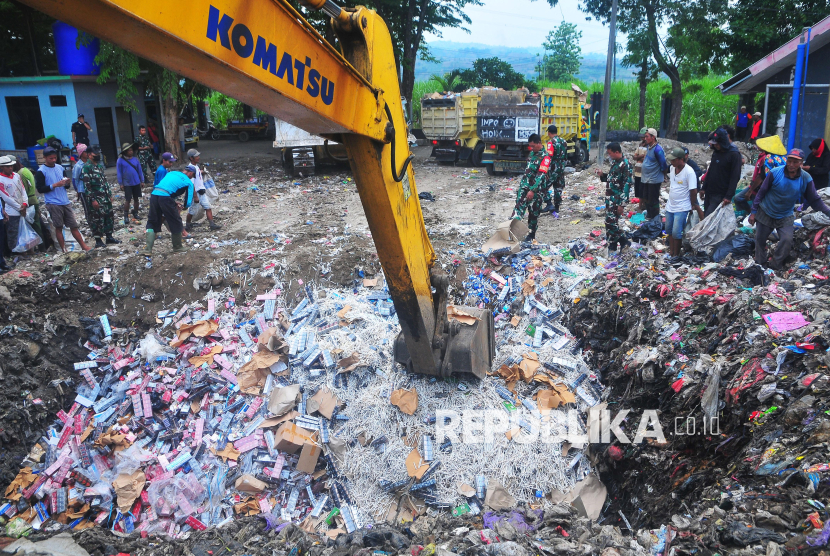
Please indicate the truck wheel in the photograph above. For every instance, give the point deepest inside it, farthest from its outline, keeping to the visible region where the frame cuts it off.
(214, 135)
(288, 161)
(581, 155)
(243, 136)
(478, 151)
(490, 170)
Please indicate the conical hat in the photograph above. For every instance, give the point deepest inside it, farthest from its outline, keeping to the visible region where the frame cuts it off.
(772, 145)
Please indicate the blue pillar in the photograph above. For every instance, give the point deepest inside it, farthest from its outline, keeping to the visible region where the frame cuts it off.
(798, 81)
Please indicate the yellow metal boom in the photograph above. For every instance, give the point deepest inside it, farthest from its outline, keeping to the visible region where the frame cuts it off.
(264, 53)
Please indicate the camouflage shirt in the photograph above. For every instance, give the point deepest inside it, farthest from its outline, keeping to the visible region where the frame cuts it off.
(619, 180)
(558, 150)
(538, 164)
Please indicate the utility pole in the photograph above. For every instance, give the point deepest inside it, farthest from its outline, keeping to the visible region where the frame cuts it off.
(606, 93)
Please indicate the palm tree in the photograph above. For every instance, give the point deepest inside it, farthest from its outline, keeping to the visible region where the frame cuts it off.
(450, 81)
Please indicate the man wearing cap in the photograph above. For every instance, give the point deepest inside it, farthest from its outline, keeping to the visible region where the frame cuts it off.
(772, 209)
(145, 153)
(724, 172)
(164, 206)
(101, 217)
(743, 119)
(167, 160)
(50, 181)
(80, 131)
(639, 156)
(14, 198)
(756, 127)
(28, 181)
(557, 149)
(200, 187)
(655, 169)
(78, 177)
(818, 163)
(682, 198)
(130, 178)
(698, 172)
(618, 180)
(773, 155)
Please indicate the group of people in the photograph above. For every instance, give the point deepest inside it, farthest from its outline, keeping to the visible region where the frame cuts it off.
(542, 184)
(781, 181)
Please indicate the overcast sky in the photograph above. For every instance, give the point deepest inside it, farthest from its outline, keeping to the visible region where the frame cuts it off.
(525, 23)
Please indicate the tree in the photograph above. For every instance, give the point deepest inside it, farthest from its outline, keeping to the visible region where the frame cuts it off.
(639, 56)
(566, 55)
(686, 38)
(25, 41)
(450, 81)
(492, 72)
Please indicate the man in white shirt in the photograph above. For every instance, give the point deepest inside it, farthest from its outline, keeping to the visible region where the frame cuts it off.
(682, 198)
(14, 197)
(201, 189)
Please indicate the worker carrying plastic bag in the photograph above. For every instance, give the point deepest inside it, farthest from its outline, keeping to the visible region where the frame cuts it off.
(713, 229)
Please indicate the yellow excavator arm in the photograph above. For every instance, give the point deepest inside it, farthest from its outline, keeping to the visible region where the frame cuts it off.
(265, 54)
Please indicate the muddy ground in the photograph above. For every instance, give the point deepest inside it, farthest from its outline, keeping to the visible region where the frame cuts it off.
(277, 231)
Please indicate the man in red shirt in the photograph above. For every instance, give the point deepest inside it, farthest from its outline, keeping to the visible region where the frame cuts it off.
(756, 127)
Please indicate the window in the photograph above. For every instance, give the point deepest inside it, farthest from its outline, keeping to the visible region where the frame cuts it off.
(57, 100)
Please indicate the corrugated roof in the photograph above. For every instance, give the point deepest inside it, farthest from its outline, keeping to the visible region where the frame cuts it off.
(756, 76)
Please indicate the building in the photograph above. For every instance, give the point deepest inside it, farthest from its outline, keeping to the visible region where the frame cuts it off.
(37, 107)
(775, 72)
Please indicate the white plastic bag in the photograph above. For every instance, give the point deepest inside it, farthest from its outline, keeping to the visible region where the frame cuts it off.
(210, 187)
(30, 215)
(197, 211)
(713, 229)
(26, 237)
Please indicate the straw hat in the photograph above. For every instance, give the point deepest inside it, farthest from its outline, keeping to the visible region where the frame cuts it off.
(772, 145)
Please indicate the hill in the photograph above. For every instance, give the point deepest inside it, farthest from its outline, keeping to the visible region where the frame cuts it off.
(456, 55)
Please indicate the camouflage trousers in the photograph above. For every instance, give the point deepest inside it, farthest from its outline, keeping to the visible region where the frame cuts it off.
(532, 207)
(148, 165)
(613, 232)
(102, 219)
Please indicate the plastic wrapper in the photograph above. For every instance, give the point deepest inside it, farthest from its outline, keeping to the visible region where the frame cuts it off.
(26, 237)
(713, 229)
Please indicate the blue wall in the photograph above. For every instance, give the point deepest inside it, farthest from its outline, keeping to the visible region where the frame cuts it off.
(57, 120)
(90, 96)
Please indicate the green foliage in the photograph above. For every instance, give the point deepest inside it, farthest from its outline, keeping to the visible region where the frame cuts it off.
(223, 109)
(421, 89)
(123, 66)
(18, 25)
(450, 81)
(563, 55)
(492, 72)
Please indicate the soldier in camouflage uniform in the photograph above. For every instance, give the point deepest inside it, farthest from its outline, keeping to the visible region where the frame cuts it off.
(557, 149)
(99, 197)
(533, 184)
(619, 179)
(145, 154)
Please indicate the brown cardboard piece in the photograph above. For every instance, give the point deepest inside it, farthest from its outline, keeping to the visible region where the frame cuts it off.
(590, 497)
(508, 235)
(250, 484)
(370, 282)
(271, 340)
(529, 365)
(415, 465)
(454, 313)
(199, 360)
(348, 364)
(308, 457)
(497, 496)
(324, 402)
(247, 507)
(291, 438)
(24, 478)
(228, 452)
(405, 400)
(466, 490)
(268, 423)
(551, 399)
(253, 374)
(200, 329)
(128, 488)
(283, 400)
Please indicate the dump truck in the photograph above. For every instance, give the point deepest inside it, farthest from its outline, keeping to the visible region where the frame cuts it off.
(506, 119)
(449, 124)
(300, 151)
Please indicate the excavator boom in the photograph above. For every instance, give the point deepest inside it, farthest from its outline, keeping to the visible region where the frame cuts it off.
(265, 54)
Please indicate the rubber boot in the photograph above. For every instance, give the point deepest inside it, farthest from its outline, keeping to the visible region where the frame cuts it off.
(111, 240)
(531, 236)
(151, 239)
(99, 243)
(177, 243)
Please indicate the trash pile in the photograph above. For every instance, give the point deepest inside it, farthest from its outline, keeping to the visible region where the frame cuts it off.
(734, 357)
(293, 410)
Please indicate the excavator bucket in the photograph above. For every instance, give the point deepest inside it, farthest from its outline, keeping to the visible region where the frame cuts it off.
(467, 346)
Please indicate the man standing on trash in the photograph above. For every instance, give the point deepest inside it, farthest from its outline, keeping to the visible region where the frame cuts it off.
(163, 204)
(619, 180)
(773, 207)
(557, 149)
(130, 177)
(723, 174)
(14, 198)
(101, 217)
(773, 155)
(655, 168)
(145, 154)
(532, 185)
(50, 181)
(28, 181)
(682, 199)
(78, 178)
